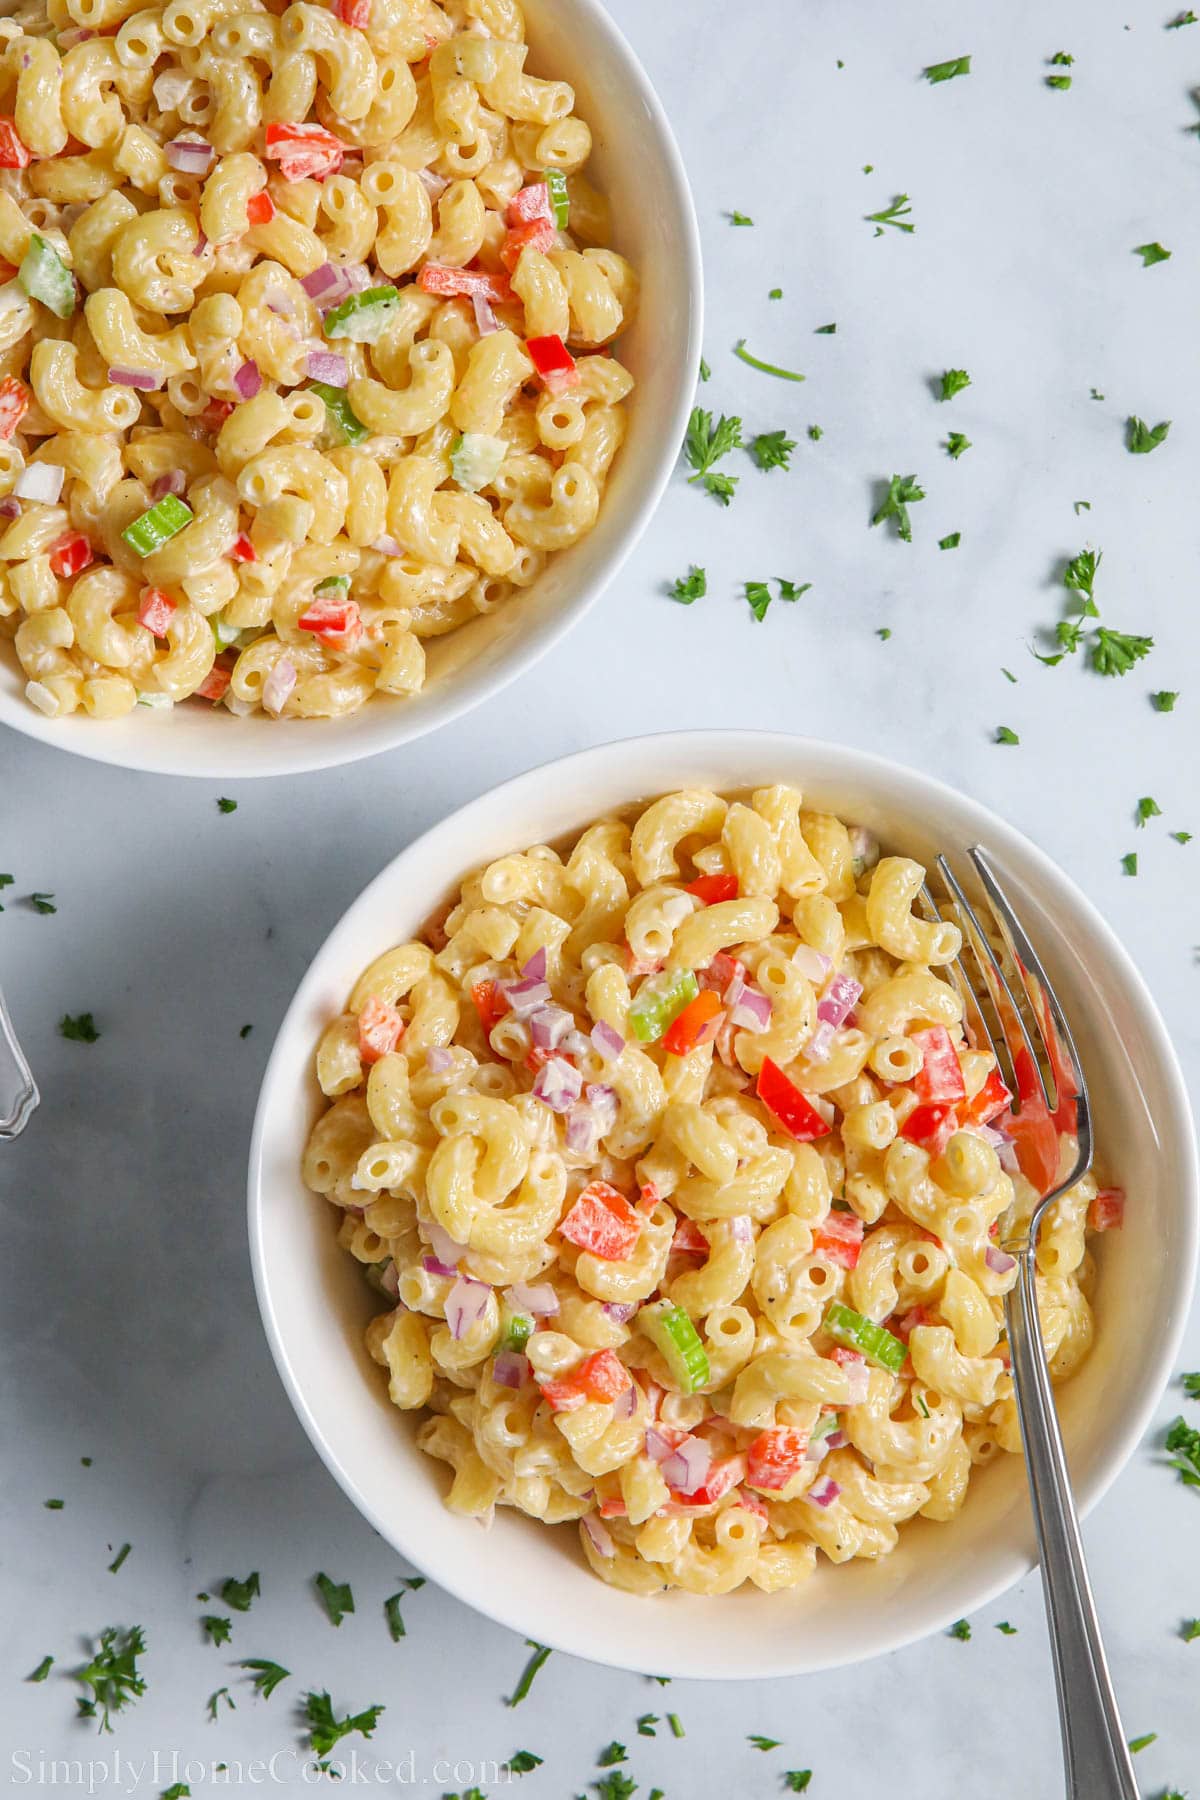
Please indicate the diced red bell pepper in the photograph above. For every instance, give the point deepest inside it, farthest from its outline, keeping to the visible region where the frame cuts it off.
(905, 1324)
(940, 1076)
(603, 1223)
(600, 1376)
(338, 623)
(13, 153)
(931, 1126)
(304, 152)
(156, 611)
(992, 1099)
(14, 404)
(532, 202)
(839, 1239)
(242, 550)
(842, 1353)
(720, 972)
(1035, 1140)
(70, 553)
(711, 889)
(614, 1508)
(787, 1105)
(648, 1197)
(490, 1004)
(380, 1028)
(553, 362)
(356, 13)
(1107, 1211)
(215, 683)
(696, 1024)
(721, 1476)
(260, 208)
(536, 234)
(439, 278)
(689, 1240)
(215, 414)
(775, 1456)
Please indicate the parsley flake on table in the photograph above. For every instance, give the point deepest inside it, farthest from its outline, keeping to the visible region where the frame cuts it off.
(336, 1597)
(265, 1674)
(119, 1558)
(758, 593)
(226, 806)
(1129, 862)
(1142, 1743)
(796, 1780)
(705, 371)
(1115, 652)
(705, 444)
(740, 218)
(961, 1630)
(956, 443)
(903, 492)
(1009, 676)
(884, 632)
(54, 1505)
(541, 1653)
(324, 1730)
(1080, 576)
(1164, 700)
(1189, 1631)
(951, 542)
(1182, 837)
(1183, 18)
(816, 433)
(1060, 82)
(616, 1785)
(772, 449)
(1141, 438)
(1185, 1439)
(895, 215)
(690, 587)
(763, 1743)
(766, 368)
(215, 1629)
(613, 1753)
(81, 1029)
(113, 1674)
(1006, 735)
(646, 1724)
(1006, 1628)
(946, 71)
(1147, 809)
(673, 1720)
(239, 1594)
(521, 1762)
(213, 1703)
(179, 1790)
(43, 903)
(775, 294)
(1191, 1384)
(1081, 506)
(1151, 254)
(953, 382)
(245, 1031)
(825, 331)
(43, 1669)
(391, 1606)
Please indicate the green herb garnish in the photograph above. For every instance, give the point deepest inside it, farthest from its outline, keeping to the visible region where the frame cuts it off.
(705, 444)
(1006, 1628)
(772, 449)
(325, 1731)
(953, 382)
(1147, 809)
(113, 1674)
(226, 806)
(119, 1558)
(796, 1780)
(903, 491)
(1151, 254)
(239, 1594)
(690, 587)
(1129, 862)
(740, 350)
(1115, 652)
(81, 1029)
(612, 1753)
(540, 1655)
(764, 1743)
(336, 1595)
(1141, 439)
(215, 1629)
(1185, 1439)
(266, 1675)
(961, 1630)
(740, 218)
(946, 71)
(1142, 1743)
(951, 542)
(521, 1762)
(1164, 700)
(895, 215)
(391, 1606)
(42, 1670)
(825, 331)
(956, 443)
(43, 903)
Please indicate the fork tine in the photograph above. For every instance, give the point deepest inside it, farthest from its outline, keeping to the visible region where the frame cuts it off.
(993, 973)
(977, 1021)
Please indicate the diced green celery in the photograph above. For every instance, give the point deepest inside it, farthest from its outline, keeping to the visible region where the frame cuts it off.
(560, 202)
(671, 1331)
(515, 1331)
(341, 422)
(361, 317)
(225, 634)
(475, 459)
(161, 521)
(825, 1426)
(45, 276)
(332, 585)
(659, 1001)
(875, 1342)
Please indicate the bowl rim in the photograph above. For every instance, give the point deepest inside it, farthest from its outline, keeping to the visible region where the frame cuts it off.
(852, 764)
(474, 685)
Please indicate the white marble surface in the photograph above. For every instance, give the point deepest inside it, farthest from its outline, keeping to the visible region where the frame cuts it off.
(129, 1327)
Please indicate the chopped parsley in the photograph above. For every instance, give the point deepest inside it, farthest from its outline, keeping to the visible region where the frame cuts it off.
(1189, 1631)
(179, 1790)
(758, 593)
(816, 433)
(796, 1780)
(324, 1731)
(42, 1670)
(1183, 18)
(676, 1727)
(1006, 735)
(884, 632)
(772, 449)
(740, 350)
(903, 491)
(43, 903)
(895, 215)
(1081, 506)
(1009, 676)
(81, 1029)
(119, 1558)
(1141, 438)
(1129, 862)
(1164, 700)
(53, 1505)
(705, 371)
(1182, 837)
(705, 444)
(646, 1724)
(541, 1653)
(1060, 82)
(391, 1606)
(953, 382)
(1191, 1385)
(1095, 394)
(239, 1594)
(613, 1753)
(1151, 254)
(961, 1630)
(1185, 1439)
(245, 1031)
(763, 1743)
(265, 1675)
(739, 218)
(226, 806)
(775, 294)
(1115, 652)
(215, 1629)
(521, 1762)
(1142, 1743)
(1006, 1628)
(113, 1674)
(213, 1704)
(616, 1786)
(336, 1595)
(951, 542)
(1147, 809)
(946, 71)
(825, 331)
(956, 443)
(690, 587)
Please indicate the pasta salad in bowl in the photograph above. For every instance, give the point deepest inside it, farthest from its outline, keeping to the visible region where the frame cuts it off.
(676, 1182)
(315, 376)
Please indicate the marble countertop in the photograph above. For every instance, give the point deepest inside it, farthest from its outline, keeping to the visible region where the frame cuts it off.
(130, 1333)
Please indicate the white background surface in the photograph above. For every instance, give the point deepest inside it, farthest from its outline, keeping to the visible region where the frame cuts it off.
(129, 1327)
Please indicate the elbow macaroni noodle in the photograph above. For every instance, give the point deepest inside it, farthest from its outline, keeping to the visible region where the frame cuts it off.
(502, 1092)
(164, 159)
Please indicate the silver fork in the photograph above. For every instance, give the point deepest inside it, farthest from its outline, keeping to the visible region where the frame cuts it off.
(1095, 1754)
(16, 1080)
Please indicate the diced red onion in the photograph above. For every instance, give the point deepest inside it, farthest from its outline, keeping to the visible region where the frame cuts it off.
(582, 1135)
(557, 1085)
(10, 507)
(248, 381)
(321, 283)
(328, 366)
(200, 245)
(525, 997)
(190, 155)
(485, 318)
(837, 1440)
(736, 988)
(741, 1228)
(625, 1404)
(607, 1042)
(599, 1534)
(619, 1311)
(688, 1464)
(814, 965)
(820, 1044)
(817, 1450)
(539, 1299)
(658, 1448)
(145, 379)
(997, 1261)
(549, 1024)
(989, 1134)
(434, 183)
(510, 1369)
(1007, 1153)
(358, 276)
(279, 684)
(170, 88)
(40, 481)
(535, 968)
(445, 1248)
(839, 1000)
(604, 1103)
(432, 1266)
(388, 546)
(438, 1059)
(752, 1010)
(823, 1492)
(859, 1377)
(173, 483)
(466, 1304)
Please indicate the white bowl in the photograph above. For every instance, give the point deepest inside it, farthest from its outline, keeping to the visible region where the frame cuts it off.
(637, 163)
(315, 1303)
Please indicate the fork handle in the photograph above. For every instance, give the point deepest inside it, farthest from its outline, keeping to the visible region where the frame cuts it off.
(1095, 1755)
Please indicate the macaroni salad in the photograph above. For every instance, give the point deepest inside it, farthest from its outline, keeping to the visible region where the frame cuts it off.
(303, 344)
(684, 1183)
